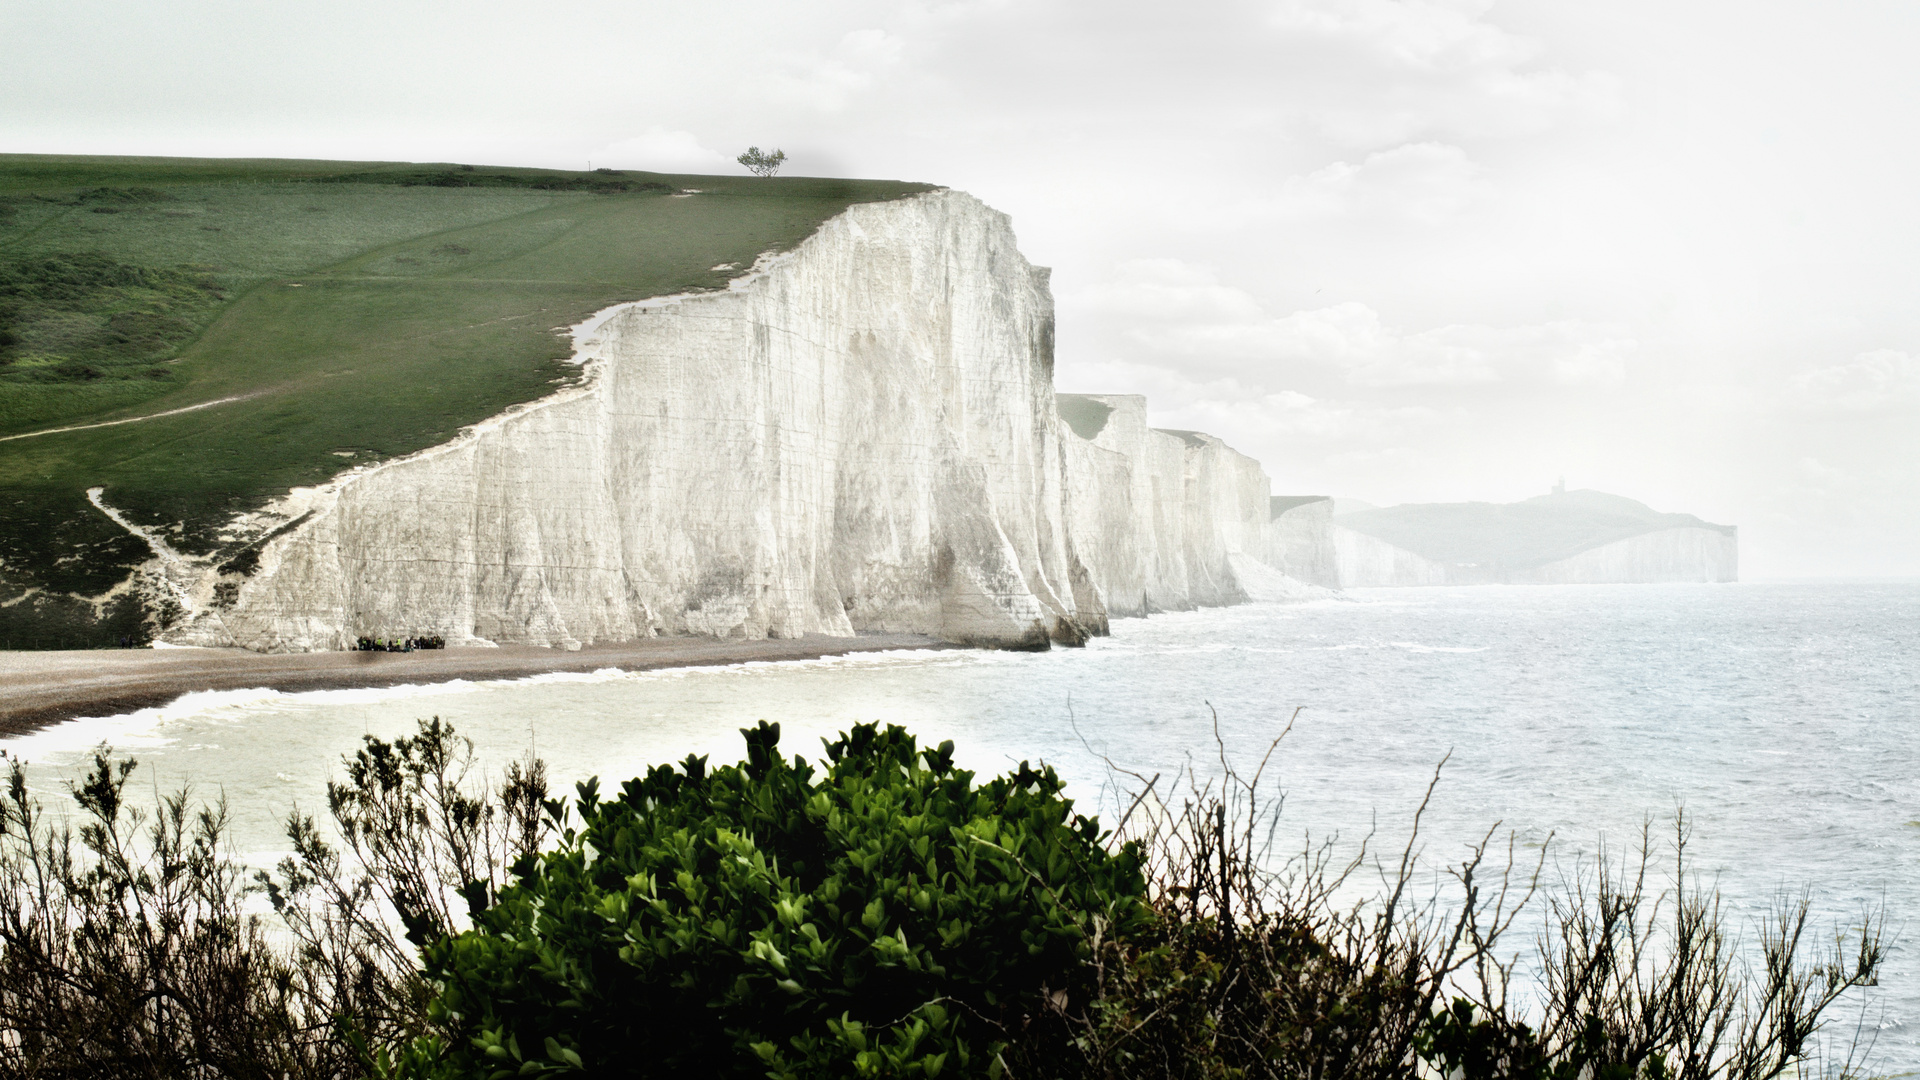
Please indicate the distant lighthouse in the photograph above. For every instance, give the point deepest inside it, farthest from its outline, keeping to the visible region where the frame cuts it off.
(1560, 486)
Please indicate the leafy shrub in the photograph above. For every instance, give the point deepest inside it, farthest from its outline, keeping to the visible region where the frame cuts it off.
(887, 917)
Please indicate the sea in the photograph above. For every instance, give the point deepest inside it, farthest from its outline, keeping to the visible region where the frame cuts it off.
(1779, 717)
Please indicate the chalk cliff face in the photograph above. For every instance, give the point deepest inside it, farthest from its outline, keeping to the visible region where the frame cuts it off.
(1110, 502)
(1128, 493)
(1369, 561)
(1670, 555)
(1300, 539)
(1226, 514)
(859, 437)
(1166, 520)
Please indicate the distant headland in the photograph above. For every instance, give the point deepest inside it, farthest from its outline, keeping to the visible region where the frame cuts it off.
(1562, 538)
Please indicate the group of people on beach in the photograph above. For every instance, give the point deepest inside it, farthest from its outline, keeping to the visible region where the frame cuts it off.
(367, 644)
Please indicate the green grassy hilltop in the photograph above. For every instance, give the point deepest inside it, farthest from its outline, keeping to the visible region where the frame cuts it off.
(307, 316)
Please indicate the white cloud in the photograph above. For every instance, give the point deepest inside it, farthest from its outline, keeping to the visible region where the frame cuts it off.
(1177, 310)
(1386, 71)
(830, 83)
(1426, 182)
(1233, 408)
(663, 149)
(1167, 289)
(1876, 381)
(1349, 337)
(1566, 353)
(1228, 85)
(1425, 34)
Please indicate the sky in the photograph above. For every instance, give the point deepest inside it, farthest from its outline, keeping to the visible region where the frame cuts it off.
(1398, 250)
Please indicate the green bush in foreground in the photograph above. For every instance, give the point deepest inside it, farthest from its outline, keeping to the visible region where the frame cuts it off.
(885, 918)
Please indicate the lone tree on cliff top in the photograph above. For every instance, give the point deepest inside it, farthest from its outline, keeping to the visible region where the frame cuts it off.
(760, 164)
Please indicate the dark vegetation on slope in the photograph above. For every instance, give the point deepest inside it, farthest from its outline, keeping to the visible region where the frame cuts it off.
(355, 311)
(78, 318)
(1280, 504)
(881, 915)
(1085, 414)
(1195, 439)
(1517, 536)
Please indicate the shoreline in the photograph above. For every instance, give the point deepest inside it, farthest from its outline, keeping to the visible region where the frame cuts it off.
(41, 689)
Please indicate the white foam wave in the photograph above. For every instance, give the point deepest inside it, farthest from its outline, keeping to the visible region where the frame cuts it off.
(1416, 647)
(369, 695)
(147, 728)
(141, 729)
(1410, 646)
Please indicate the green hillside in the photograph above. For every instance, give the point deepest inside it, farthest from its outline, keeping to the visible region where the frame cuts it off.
(319, 315)
(1516, 536)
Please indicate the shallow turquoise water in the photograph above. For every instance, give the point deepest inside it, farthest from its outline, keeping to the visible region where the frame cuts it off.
(1781, 716)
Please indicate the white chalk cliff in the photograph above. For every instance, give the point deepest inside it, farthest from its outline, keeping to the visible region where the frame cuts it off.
(861, 435)
(1166, 520)
(1300, 540)
(1364, 561)
(1670, 555)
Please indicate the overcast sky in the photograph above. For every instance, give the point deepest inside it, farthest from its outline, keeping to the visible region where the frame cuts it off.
(1399, 250)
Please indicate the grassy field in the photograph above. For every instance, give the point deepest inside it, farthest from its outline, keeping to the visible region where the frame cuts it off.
(354, 311)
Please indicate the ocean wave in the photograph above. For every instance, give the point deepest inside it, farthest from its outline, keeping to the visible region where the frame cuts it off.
(1416, 647)
(142, 729)
(1409, 646)
(147, 728)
